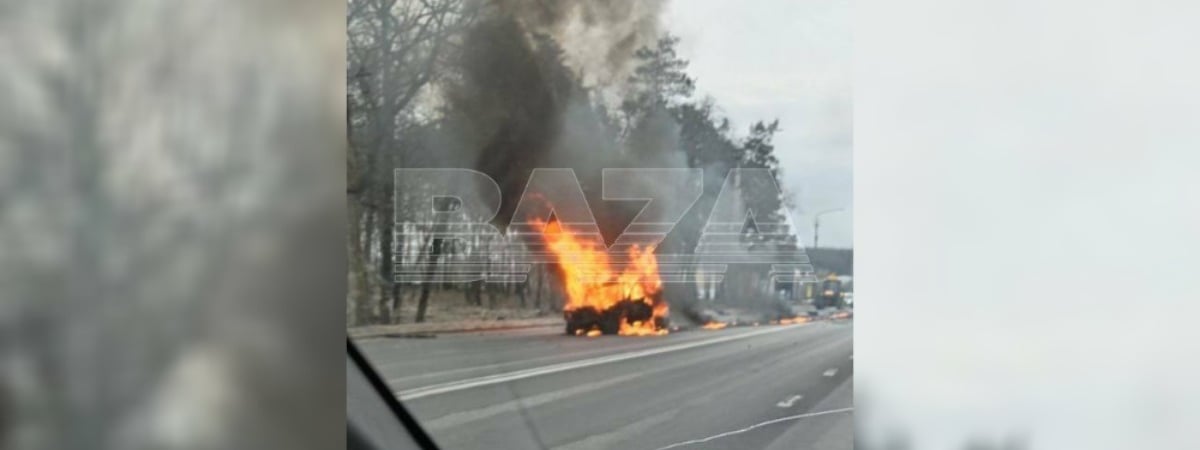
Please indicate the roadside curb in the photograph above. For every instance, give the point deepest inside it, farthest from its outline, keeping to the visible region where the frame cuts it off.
(426, 329)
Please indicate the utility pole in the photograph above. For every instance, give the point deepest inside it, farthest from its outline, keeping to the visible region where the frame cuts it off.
(817, 225)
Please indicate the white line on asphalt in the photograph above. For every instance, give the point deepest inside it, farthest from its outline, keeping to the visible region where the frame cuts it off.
(599, 351)
(757, 425)
(512, 406)
(830, 372)
(790, 401)
(452, 386)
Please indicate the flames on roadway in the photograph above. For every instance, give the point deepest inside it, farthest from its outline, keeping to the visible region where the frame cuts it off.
(605, 296)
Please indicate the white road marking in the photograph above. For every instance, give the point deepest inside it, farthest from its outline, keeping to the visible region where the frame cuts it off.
(461, 418)
(757, 425)
(830, 372)
(453, 386)
(464, 417)
(600, 351)
(790, 401)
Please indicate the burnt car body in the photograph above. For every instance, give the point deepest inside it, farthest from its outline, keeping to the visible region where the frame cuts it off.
(608, 321)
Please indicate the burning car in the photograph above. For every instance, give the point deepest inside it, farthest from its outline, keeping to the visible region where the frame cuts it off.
(628, 315)
(604, 296)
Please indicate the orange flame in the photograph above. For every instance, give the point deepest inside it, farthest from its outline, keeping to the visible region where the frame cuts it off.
(590, 280)
(793, 320)
(715, 325)
(637, 328)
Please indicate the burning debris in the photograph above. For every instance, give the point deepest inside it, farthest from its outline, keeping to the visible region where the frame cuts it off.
(606, 297)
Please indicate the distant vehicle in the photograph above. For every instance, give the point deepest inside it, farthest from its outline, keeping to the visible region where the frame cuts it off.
(831, 293)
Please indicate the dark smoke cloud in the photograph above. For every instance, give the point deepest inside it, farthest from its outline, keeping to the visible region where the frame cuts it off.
(534, 81)
(598, 38)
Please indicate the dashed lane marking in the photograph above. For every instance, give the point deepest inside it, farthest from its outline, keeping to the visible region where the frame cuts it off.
(790, 401)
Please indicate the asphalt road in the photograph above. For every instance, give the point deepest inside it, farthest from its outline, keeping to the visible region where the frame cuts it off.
(765, 387)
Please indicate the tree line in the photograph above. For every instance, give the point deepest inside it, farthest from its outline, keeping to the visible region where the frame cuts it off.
(453, 83)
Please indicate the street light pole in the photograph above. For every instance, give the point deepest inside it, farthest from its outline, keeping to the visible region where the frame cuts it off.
(817, 225)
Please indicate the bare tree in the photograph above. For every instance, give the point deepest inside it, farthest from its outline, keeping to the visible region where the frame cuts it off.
(395, 50)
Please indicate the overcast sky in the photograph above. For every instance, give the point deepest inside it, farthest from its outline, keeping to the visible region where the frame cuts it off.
(791, 60)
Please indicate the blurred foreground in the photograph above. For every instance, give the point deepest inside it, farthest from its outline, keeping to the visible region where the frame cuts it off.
(172, 225)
